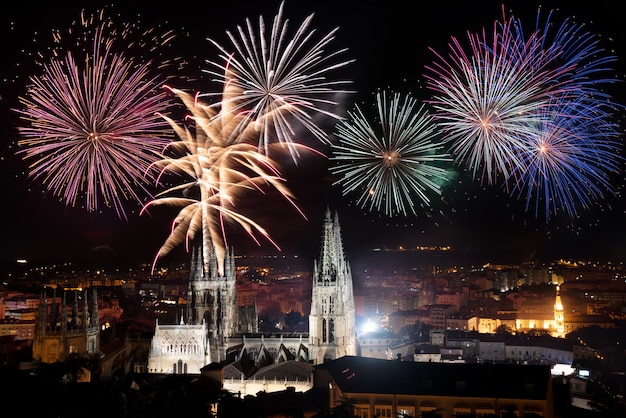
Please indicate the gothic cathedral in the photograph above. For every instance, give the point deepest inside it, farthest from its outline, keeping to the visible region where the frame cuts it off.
(217, 330)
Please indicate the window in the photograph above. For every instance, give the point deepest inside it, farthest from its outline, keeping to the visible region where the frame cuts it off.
(485, 411)
(53, 353)
(362, 411)
(383, 411)
(406, 411)
(462, 411)
(425, 408)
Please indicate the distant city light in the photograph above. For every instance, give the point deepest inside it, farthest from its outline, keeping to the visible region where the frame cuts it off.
(562, 370)
(370, 326)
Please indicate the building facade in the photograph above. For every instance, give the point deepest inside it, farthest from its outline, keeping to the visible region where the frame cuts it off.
(63, 330)
(391, 388)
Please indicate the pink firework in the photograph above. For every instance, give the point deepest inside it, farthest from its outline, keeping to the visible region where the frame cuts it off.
(90, 125)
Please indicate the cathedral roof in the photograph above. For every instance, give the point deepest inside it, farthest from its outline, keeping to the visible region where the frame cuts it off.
(290, 370)
(235, 371)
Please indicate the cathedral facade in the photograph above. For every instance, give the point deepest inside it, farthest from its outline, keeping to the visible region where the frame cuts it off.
(66, 329)
(217, 330)
(202, 336)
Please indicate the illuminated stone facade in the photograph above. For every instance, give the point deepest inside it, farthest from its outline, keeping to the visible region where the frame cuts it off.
(332, 331)
(64, 330)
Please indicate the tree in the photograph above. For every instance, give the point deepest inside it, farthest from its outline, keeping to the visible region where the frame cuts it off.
(504, 329)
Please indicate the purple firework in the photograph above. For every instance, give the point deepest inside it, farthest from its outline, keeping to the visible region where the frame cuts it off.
(530, 112)
(91, 126)
(569, 162)
(486, 103)
(576, 148)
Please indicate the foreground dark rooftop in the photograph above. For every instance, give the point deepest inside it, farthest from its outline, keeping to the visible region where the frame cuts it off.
(369, 375)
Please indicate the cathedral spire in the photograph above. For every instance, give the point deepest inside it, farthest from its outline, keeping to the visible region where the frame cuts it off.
(42, 320)
(54, 311)
(332, 331)
(95, 321)
(212, 297)
(327, 266)
(64, 314)
(85, 312)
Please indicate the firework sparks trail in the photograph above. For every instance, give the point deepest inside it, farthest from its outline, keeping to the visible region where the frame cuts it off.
(502, 104)
(489, 96)
(391, 162)
(93, 132)
(221, 161)
(569, 162)
(275, 71)
(91, 125)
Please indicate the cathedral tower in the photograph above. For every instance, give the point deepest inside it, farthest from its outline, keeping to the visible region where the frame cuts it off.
(62, 331)
(213, 300)
(332, 331)
(202, 335)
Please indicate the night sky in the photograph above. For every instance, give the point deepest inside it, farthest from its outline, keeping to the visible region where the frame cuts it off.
(389, 42)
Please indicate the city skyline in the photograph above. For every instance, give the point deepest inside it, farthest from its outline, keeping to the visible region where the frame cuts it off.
(390, 50)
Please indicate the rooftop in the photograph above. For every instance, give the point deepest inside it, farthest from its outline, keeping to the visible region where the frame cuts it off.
(368, 375)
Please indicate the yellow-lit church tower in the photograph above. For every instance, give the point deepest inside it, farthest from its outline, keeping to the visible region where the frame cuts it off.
(559, 315)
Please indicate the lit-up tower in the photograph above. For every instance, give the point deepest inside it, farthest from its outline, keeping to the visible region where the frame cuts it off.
(213, 300)
(332, 332)
(559, 316)
(62, 331)
(202, 335)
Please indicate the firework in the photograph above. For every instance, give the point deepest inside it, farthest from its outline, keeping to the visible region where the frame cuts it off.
(94, 131)
(391, 163)
(530, 111)
(221, 163)
(282, 80)
(487, 102)
(584, 65)
(90, 124)
(569, 161)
